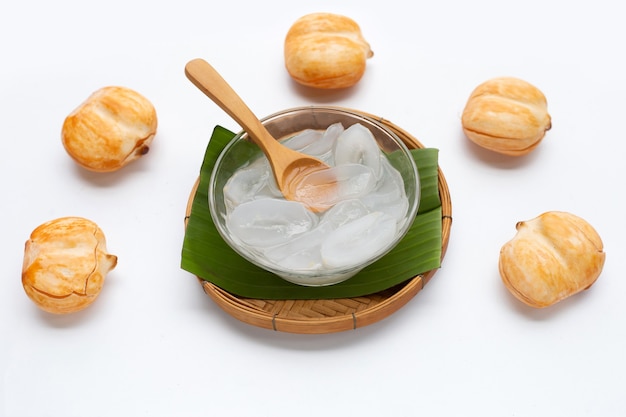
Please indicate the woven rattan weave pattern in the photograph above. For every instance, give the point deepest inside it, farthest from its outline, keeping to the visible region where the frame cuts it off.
(332, 315)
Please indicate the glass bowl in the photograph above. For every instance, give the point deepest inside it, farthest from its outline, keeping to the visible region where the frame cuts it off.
(335, 266)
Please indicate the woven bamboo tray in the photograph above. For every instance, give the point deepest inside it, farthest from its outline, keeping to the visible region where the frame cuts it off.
(331, 315)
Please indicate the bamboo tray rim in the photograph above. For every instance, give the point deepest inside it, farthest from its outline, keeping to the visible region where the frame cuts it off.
(331, 315)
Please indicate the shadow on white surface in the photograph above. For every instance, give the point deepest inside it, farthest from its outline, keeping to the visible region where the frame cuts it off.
(495, 159)
(85, 317)
(215, 316)
(71, 320)
(546, 314)
(113, 178)
(319, 96)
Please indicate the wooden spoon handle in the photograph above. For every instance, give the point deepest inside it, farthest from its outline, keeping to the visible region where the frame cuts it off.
(211, 83)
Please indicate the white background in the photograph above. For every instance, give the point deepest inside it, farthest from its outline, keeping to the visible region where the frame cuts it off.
(154, 344)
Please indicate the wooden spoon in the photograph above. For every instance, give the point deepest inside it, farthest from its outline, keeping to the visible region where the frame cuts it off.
(289, 167)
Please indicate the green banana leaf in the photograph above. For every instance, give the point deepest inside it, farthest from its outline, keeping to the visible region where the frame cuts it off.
(206, 255)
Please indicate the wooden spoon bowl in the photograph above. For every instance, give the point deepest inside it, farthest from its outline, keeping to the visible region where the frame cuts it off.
(290, 168)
